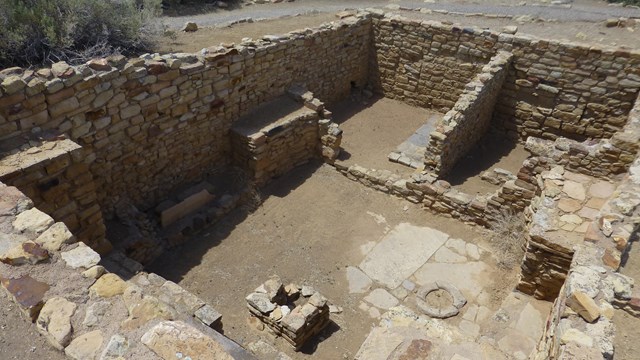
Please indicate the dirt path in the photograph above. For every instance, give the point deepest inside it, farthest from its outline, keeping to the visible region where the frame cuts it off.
(313, 224)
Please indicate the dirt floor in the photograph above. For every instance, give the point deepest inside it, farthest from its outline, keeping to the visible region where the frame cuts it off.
(373, 129)
(19, 338)
(313, 224)
(491, 152)
(212, 36)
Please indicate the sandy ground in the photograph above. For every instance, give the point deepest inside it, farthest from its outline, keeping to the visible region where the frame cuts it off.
(373, 129)
(313, 224)
(19, 339)
(583, 22)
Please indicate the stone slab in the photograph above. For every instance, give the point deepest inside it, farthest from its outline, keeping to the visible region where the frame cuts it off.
(470, 278)
(169, 338)
(403, 251)
(185, 207)
(359, 282)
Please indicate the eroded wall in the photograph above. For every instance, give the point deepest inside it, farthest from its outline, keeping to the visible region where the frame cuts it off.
(148, 125)
(552, 89)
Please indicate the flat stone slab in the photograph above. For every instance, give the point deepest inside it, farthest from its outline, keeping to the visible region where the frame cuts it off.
(381, 298)
(414, 147)
(470, 278)
(402, 251)
(359, 282)
(81, 257)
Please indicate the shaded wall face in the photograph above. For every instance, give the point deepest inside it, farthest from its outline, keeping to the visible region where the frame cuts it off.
(147, 127)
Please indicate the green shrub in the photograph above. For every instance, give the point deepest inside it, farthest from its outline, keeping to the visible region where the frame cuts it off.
(45, 31)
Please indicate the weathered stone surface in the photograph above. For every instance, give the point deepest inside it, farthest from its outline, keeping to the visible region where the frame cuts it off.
(381, 298)
(569, 205)
(57, 235)
(32, 220)
(261, 302)
(359, 282)
(108, 285)
(94, 272)
(169, 338)
(208, 316)
(574, 190)
(81, 257)
(116, 348)
(147, 309)
(27, 292)
(190, 27)
(26, 253)
(584, 305)
(95, 312)
(602, 189)
(54, 321)
(401, 253)
(86, 346)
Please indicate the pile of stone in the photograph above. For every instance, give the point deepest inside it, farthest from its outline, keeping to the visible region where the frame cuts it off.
(274, 305)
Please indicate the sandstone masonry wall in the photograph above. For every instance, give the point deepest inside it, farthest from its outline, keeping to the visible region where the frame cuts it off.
(580, 325)
(606, 157)
(464, 125)
(421, 64)
(54, 176)
(552, 88)
(89, 313)
(150, 123)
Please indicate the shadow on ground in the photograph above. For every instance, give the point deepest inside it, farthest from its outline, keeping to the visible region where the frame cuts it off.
(174, 263)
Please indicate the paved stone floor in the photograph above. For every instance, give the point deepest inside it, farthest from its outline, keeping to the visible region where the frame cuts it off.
(494, 323)
(411, 151)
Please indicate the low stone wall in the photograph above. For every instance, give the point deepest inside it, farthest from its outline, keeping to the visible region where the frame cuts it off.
(89, 313)
(53, 174)
(580, 325)
(604, 158)
(461, 127)
(438, 195)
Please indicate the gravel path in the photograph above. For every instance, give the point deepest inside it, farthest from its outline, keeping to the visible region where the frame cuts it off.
(586, 10)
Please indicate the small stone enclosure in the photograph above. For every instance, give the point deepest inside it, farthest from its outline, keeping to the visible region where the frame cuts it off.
(78, 141)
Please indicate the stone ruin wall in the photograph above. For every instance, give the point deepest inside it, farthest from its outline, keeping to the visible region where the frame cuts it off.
(552, 88)
(56, 178)
(466, 123)
(126, 114)
(582, 313)
(147, 125)
(425, 66)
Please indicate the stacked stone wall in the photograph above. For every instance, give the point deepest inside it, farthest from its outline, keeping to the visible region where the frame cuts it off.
(149, 124)
(423, 65)
(55, 177)
(604, 158)
(551, 89)
(464, 125)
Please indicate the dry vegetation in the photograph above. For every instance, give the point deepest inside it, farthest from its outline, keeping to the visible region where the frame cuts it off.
(509, 238)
